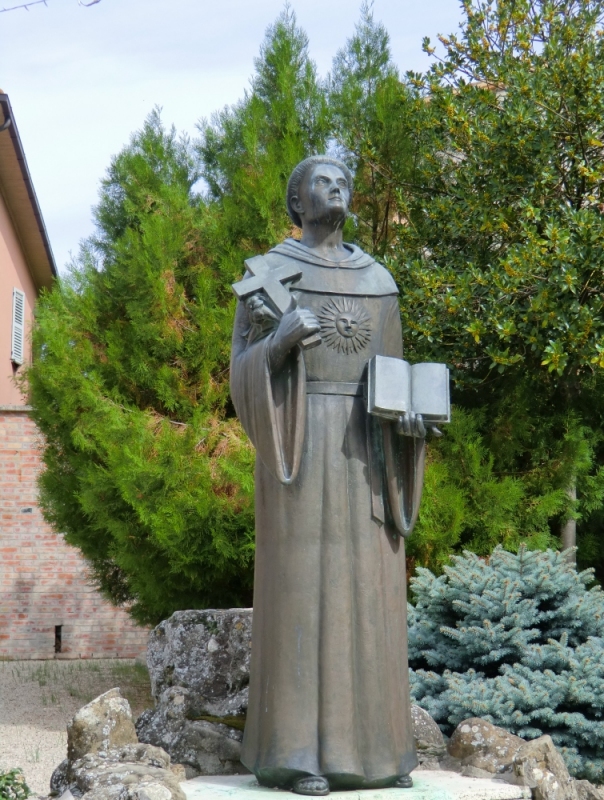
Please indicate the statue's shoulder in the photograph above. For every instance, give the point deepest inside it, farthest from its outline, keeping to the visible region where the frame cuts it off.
(358, 275)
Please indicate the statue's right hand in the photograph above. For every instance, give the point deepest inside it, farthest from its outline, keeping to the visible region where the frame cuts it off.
(296, 324)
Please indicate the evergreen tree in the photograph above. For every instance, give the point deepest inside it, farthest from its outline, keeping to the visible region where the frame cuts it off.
(248, 151)
(367, 101)
(518, 641)
(145, 471)
(498, 246)
(468, 504)
(147, 468)
(483, 486)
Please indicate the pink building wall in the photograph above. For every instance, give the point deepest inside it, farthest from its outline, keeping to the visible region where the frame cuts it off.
(13, 274)
(48, 606)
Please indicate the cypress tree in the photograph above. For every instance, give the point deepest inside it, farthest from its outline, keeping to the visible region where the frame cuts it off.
(147, 470)
(368, 101)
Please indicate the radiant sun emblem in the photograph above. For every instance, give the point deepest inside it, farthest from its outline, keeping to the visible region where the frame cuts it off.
(345, 325)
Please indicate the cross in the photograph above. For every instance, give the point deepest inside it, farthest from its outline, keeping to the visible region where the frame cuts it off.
(270, 281)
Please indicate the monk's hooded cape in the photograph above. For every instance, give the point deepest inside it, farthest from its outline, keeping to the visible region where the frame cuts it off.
(335, 490)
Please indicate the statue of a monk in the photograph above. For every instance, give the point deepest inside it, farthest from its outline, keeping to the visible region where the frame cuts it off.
(336, 491)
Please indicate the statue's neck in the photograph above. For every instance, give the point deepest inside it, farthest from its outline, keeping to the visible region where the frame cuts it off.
(325, 241)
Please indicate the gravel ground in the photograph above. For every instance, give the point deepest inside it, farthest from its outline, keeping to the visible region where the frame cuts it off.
(38, 698)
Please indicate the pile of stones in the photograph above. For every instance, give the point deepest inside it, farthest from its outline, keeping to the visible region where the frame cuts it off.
(478, 749)
(105, 760)
(199, 668)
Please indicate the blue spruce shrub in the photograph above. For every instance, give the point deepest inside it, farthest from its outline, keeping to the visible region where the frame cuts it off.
(518, 641)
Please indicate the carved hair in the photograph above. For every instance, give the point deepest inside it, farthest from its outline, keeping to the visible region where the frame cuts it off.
(297, 176)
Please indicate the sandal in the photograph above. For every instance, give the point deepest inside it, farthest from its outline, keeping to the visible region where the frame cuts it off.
(313, 785)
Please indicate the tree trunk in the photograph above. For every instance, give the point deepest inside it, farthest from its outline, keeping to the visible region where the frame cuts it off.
(569, 529)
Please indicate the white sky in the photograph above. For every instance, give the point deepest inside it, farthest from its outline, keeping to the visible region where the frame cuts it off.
(81, 80)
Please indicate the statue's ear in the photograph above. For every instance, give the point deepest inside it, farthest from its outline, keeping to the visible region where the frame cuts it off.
(296, 204)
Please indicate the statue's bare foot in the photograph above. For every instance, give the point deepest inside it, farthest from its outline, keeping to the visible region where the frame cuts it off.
(314, 785)
(404, 782)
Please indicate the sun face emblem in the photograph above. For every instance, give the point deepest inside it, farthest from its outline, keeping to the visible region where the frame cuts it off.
(345, 325)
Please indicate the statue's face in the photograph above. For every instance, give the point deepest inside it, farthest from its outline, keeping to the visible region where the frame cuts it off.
(323, 195)
(347, 325)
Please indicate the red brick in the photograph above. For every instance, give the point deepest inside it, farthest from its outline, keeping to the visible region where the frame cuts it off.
(44, 581)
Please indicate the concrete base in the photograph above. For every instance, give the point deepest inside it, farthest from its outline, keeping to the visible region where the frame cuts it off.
(427, 785)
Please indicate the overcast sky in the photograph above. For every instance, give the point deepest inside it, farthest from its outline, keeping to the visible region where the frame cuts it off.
(80, 80)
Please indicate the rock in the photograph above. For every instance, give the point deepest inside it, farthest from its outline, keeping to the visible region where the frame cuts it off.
(107, 762)
(450, 764)
(204, 747)
(198, 662)
(132, 767)
(538, 765)
(474, 772)
(429, 740)
(479, 750)
(483, 746)
(207, 652)
(587, 791)
(59, 780)
(105, 722)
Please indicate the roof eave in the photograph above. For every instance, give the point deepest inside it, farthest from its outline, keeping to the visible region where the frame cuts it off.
(20, 196)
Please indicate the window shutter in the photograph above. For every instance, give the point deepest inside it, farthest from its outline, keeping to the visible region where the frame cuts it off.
(18, 333)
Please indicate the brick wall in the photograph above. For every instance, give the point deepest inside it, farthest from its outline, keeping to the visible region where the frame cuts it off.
(43, 580)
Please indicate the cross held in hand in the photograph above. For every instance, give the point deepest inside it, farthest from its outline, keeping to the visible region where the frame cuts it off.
(270, 281)
(267, 280)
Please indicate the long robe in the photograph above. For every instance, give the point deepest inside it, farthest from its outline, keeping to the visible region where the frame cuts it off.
(336, 492)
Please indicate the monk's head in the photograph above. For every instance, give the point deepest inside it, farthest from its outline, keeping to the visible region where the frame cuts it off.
(319, 191)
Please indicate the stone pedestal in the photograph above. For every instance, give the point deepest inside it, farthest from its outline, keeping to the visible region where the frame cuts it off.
(427, 785)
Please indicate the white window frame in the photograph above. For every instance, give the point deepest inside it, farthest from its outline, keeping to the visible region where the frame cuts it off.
(17, 339)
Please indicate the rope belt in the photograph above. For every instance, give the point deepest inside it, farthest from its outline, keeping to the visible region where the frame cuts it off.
(335, 387)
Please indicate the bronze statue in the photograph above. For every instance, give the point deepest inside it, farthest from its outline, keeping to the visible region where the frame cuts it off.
(337, 489)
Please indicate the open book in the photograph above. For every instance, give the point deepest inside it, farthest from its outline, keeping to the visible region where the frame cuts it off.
(395, 387)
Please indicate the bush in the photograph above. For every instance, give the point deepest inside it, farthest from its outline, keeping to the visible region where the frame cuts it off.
(518, 640)
(13, 786)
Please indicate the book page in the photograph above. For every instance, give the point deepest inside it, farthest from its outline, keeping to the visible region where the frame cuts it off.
(389, 390)
(430, 391)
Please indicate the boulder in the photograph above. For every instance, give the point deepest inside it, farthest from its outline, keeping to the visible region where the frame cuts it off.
(203, 747)
(105, 760)
(126, 770)
(587, 791)
(483, 748)
(199, 664)
(429, 740)
(479, 749)
(538, 765)
(59, 780)
(208, 653)
(105, 722)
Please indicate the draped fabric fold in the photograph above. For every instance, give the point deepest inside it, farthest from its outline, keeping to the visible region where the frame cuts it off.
(404, 458)
(272, 409)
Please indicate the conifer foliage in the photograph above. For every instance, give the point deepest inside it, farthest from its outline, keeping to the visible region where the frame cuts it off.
(148, 471)
(478, 184)
(145, 472)
(519, 641)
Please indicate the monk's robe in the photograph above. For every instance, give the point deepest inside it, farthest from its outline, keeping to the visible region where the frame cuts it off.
(336, 493)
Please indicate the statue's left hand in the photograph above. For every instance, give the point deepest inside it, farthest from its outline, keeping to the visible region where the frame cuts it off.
(411, 424)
